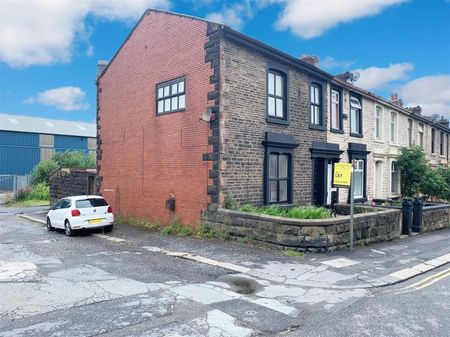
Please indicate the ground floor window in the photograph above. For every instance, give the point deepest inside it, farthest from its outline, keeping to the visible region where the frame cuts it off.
(278, 168)
(358, 179)
(394, 177)
(279, 178)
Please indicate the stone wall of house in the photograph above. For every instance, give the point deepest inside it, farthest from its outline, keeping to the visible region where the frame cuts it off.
(244, 117)
(435, 217)
(343, 139)
(307, 235)
(69, 182)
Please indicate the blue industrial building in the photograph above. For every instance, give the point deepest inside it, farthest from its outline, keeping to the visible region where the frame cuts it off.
(25, 141)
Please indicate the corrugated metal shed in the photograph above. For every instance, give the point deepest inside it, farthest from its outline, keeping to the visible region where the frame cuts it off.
(48, 126)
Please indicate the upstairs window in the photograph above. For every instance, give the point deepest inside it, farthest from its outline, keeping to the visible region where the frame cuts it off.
(336, 114)
(355, 116)
(378, 122)
(276, 95)
(316, 104)
(393, 137)
(441, 144)
(171, 96)
(410, 127)
(420, 135)
(433, 136)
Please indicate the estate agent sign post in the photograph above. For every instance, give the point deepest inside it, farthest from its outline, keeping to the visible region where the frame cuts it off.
(343, 177)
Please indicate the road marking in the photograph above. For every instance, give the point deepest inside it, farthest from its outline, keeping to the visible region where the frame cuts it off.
(110, 238)
(427, 281)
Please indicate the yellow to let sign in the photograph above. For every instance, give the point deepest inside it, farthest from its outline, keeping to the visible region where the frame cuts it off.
(342, 174)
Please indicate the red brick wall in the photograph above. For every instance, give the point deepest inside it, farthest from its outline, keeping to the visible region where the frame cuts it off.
(145, 158)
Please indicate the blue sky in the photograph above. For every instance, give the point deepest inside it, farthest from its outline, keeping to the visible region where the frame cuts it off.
(49, 49)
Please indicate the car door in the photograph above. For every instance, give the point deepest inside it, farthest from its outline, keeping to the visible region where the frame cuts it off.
(57, 215)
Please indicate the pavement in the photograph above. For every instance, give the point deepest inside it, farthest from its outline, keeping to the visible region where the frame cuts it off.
(139, 283)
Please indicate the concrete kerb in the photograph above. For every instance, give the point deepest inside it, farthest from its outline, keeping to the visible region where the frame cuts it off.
(399, 276)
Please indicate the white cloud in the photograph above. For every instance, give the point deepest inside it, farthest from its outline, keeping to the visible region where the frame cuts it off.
(64, 98)
(330, 62)
(375, 77)
(233, 15)
(44, 32)
(311, 18)
(432, 93)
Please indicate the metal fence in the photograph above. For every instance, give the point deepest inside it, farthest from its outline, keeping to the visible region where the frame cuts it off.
(13, 183)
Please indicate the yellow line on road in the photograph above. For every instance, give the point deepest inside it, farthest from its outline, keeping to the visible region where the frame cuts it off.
(427, 281)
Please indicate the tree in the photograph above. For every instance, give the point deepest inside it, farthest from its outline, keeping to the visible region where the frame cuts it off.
(433, 184)
(413, 168)
(69, 159)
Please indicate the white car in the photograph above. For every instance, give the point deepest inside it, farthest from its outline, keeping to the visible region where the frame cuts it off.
(80, 212)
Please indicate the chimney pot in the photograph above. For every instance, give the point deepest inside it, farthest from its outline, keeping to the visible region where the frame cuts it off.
(311, 59)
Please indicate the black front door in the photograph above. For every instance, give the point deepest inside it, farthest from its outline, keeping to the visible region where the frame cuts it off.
(319, 181)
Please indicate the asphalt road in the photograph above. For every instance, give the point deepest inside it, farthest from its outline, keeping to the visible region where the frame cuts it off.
(88, 285)
(419, 307)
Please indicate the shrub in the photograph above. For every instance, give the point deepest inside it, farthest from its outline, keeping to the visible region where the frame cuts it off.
(413, 167)
(77, 159)
(230, 203)
(304, 212)
(42, 171)
(40, 191)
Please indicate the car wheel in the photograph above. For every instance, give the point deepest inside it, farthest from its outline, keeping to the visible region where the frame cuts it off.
(49, 225)
(108, 229)
(67, 229)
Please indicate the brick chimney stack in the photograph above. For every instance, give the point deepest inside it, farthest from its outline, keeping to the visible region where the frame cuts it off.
(395, 100)
(311, 59)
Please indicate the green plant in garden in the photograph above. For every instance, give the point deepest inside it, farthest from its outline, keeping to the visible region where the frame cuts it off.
(434, 184)
(302, 212)
(230, 203)
(413, 167)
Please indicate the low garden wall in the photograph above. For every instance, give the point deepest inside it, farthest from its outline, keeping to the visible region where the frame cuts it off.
(307, 235)
(435, 217)
(71, 181)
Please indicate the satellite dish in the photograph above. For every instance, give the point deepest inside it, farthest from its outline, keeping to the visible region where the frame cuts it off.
(206, 117)
(355, 76)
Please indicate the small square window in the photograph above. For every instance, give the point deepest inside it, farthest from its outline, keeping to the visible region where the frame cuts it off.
(170, 96)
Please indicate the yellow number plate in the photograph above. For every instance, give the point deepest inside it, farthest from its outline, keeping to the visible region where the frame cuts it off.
(95, 221)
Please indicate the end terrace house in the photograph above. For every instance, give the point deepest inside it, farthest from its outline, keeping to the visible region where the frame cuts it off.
(190, 112)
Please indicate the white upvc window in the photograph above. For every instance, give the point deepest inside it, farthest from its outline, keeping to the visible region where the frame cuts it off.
(410, 132)
(420, 135)
(393, 128)
(355, 116)
(394, 178)
(378, 123)
(358, 179)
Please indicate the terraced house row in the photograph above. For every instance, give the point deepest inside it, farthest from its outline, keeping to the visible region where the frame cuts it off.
(190, 112)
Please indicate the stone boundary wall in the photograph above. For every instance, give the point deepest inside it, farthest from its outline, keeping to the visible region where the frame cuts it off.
(435, 217)
(68, 182)
(307, 235)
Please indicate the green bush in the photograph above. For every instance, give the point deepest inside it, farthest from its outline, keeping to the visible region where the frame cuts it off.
(42, 171)
(230, 203)
(78, 159)
(413, 167)
(40, 191)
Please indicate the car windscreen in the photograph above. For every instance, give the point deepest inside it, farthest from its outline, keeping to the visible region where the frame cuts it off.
(92, 202)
